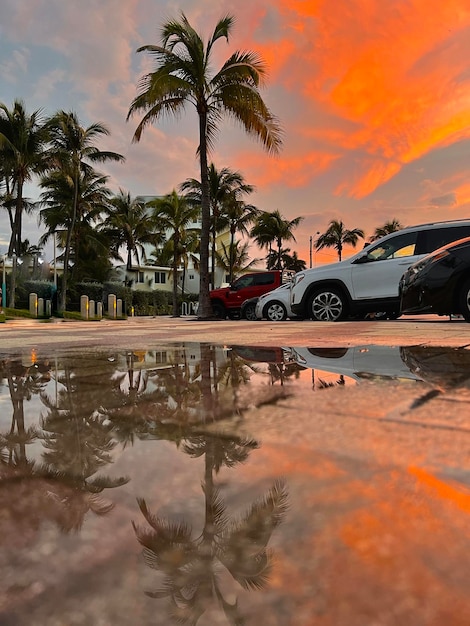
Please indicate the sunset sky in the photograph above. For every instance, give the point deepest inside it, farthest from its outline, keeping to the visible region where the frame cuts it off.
(373, 97)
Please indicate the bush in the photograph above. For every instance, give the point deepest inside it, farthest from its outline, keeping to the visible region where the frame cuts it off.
(152, 302)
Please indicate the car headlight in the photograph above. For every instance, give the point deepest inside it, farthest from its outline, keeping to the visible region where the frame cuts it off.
(298, 279)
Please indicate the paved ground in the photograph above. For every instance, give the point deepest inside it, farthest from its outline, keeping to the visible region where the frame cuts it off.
(378, 475)
(144, 333)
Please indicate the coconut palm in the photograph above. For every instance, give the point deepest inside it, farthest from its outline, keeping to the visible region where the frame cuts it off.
(183, 75)
(288, 261)
(239, 216)
(74, 205)
(128, 223)
(336, 236)
(273, 228)
(174, 213)
(386, 229)
(73, 149)
(234, 259)
(23, 140)
(225, 188)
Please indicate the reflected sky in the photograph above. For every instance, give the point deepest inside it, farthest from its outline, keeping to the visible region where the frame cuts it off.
(179, 485)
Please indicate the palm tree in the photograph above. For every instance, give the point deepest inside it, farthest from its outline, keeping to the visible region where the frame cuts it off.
(386, 229)
(238, 215)
(72, 207)
(23, 140)
(128, 223)
(225, 187)
(174, 213)
(273, 228)
(234, 259)
(288, 261)
(336, 236)
(182, 76)
(72, 151)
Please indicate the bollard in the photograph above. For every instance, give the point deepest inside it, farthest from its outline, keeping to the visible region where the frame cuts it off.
(112, 306)
(40, 307)
(99, 310)
(119, 307)
(33, 304)
(48, 308)
(84, 307)
(91, 309)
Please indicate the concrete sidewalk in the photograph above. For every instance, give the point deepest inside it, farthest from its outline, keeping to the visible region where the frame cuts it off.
(147, 332)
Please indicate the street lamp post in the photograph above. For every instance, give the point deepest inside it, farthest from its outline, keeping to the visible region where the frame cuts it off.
(311, 246)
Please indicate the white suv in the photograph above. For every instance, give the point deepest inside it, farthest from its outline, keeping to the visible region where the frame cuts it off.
(368, 281)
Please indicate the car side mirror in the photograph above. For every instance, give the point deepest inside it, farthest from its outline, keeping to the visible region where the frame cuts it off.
(362, 259)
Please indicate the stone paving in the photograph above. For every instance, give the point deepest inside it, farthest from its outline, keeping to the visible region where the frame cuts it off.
(378, 475)
(141, 332)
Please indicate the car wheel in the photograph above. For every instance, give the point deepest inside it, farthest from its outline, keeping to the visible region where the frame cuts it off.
(249, 312)
(464, 300)
(275, 312)
(327, 305)
(218, 310)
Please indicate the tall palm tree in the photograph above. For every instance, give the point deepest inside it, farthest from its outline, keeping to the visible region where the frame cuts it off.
(72, 150)
(389, 227)
(174, 213)
(23, 140)
(128, 223)
(73, 207)
(336, 236)
(225, 187)
(239, 216)
(273, 228)
(183, 75)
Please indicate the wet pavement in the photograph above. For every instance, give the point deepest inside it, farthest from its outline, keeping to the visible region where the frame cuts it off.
(162, 471)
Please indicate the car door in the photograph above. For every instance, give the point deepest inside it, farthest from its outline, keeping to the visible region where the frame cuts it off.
(377, 273)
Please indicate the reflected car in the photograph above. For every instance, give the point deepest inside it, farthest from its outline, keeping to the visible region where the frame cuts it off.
(439, 283)
(360, 363)
(275, 305)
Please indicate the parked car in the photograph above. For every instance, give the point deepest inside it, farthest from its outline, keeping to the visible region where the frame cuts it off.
(227, 301)
(275, 305)
(439, 283)
(368, 282)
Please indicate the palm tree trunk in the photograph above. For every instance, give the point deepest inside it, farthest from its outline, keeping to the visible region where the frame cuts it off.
(63, 295)
(175, 278)
(231, 253)
(205, 309)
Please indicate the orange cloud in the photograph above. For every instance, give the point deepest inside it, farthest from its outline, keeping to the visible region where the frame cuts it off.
(292, 171)
(392, 76)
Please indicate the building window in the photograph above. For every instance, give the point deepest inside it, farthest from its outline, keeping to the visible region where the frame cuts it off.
(160, 277)
(140, 278)
(191, 277)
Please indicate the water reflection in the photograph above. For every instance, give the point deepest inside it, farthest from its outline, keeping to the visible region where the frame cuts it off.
(68, 422)
(191, 562)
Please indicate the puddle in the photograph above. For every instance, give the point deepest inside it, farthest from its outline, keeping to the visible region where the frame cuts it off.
(180, 485)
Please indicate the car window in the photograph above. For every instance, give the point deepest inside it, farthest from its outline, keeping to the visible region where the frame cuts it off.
(430, 240)
(264, 279)
(244, 281)
(396, 247)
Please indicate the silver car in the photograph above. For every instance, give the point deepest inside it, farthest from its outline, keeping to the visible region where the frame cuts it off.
(275, 305)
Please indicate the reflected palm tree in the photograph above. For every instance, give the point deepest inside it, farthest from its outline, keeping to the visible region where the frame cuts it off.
(30, 491)
(192, 564)
(23, 382)
(77, 434)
